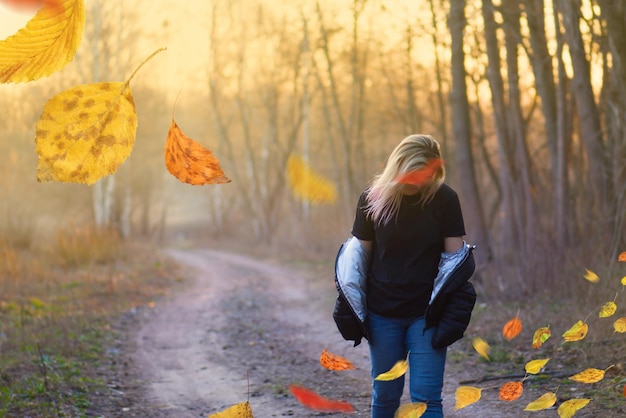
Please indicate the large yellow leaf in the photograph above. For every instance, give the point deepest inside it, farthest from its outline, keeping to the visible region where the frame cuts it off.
(608, 309)
(569, 408)
(545, 401)
(535, 366)
(620, 325)
(465, 396)
(591, 276)
(577, 332)
(411, 410)
(240, 410)
(46, 44)
(398, 370)
(481, 346)
(189, 161)
(306, 184)
(588, 376)
(540, 336)
(86, 132)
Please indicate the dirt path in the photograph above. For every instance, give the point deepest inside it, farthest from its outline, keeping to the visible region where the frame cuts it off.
(246, 329)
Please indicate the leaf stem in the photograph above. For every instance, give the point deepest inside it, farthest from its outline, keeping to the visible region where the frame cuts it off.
(143, 62)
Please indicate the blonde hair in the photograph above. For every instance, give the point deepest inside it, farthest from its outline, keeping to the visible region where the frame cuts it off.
(413, 153)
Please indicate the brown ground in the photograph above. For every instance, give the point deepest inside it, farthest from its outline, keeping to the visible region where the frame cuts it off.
(244, 328)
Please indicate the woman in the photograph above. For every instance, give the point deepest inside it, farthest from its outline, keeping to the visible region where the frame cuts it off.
(404, 221)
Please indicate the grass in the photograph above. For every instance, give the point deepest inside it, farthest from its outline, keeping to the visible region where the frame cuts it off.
(57, 306)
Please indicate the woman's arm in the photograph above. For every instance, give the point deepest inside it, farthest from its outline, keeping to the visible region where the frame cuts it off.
(452, 244)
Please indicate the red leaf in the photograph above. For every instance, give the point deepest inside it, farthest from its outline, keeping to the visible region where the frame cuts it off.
(423, 175)
(55, 5)
(316, 402)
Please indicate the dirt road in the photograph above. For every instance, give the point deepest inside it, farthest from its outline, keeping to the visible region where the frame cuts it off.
(244, 330)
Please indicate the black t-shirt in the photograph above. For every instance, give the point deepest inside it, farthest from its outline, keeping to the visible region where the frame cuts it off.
(407, 250)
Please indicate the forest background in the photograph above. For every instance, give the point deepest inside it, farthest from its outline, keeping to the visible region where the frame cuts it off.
(528, 99)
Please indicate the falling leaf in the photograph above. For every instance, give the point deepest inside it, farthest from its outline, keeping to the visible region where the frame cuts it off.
(591, 276)
(608, 309)
(481, 347)
(569, 408)
(535, 366)
(334, 362)
(512, 328)
(313, 401)
(56, 5)
(240, 410)
(189, 161)
(577, 332)
(545, 401)
(46, 44)
(540, 336)
(623, 281)
(307, 184)
(511, 391)
(588, 376)
(620, 325)
(411, 410)
(423, 175)
(466, 395)
(398, 370)
(622, 257)
(86, 132)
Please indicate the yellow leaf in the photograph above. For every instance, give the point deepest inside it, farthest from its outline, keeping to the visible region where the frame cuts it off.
(535, 366)
(189, 161)
(588, 376)
(620, 325)
(608, 309)
(398, 370)
(240, 410)
(411, 410)
(569, 408)
(623, 281)
(540, 336)
(545, 401)
(577, 332)
(46, 44)
(307, 184)
(334, 362)
(481, 346)
(466, 395)
(512, 328)
(591, 276)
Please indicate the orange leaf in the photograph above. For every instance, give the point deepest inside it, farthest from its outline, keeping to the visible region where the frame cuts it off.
(512, 328)
(189, 161)
(423, 175)
(334, 362)
(540, 336)
(313, 401)
(55, 5)
(510, 391)
(622, 257)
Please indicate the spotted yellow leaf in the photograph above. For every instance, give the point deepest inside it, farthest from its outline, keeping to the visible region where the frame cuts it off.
(540, 336)
(398, 370)
(411, 410)
(569, 408)
(620, 325)
(591, 276)
(608, 309)
(86, 132)
(588, 376)
(308, 185)
(577, 332)
(240, 410)
(465, 396)
(535, 366)
(46, 44)
(481, 346)
(545, 401)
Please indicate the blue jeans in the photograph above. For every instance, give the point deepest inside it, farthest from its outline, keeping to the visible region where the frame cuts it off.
(390, 340)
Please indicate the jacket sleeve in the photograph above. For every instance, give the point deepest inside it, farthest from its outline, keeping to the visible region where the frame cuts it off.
(455, 317)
